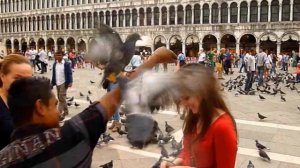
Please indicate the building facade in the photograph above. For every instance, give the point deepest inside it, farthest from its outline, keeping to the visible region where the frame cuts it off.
(181, 25)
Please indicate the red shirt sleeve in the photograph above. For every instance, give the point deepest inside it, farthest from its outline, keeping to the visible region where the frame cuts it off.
(225, 145)
(184, 152)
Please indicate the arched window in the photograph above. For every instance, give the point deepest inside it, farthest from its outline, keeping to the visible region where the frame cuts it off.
(107, 18)
(68, 22)
(286, 10)
(89, 20)
(96, 18)
(205, 14)
(233, 12)
(224, 13)
(33, 24)
(134, 17)
(52, 22)
(188, 14)
(53, 4)
(62, 22)
(57, 22)
(57, 3)
(73, 20)
(274, 11)
(127, 18)
(121, 18)
(149, 16)
(253, 11)
(47, 23)
(114, 19)
(172, 15)
(180, 14)
(296, 10)
(83, 20)
(156, 16)
(21, 25)
(197, 14)
(215, 13)
(164, 16)
(244, 12)
(142, 16)
(264, 11)
(78, 21)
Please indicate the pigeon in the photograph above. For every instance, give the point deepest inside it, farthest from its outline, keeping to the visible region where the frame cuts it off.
(298, 108)
(175, 144)
(107, 165)
(260, 146)
(169, 128)
(76, 105)
(163, 152)
(89, 92)
(264, 155)
(281, 92)
(80, 94)
(250, 164)
(69, 103)
(88, 98)
(251, 92)
(106, 138)
(261, 97)
(261, 117)
(71, 99)
(167, 138)
(111, 51)
(92, 82)
(121, 132)
(282, 98)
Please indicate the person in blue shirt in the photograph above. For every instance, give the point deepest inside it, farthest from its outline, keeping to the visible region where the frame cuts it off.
(181, 59)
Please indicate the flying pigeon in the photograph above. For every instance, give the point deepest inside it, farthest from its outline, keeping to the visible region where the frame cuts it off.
(111, 51)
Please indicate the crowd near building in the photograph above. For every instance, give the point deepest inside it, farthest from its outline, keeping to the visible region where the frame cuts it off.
(181, 25)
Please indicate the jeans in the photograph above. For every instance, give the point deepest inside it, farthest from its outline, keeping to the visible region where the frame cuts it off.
(260, 70)
(249, 80)
(227, 66)
(242, 66)
(298, 78)
(112, 86)
(273, 69)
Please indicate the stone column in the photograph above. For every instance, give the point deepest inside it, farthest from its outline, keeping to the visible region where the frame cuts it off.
(257, 47)
(248, 16)
(55, 46)
(152, 17)
(168, 44)
(160, 17)
(280, 12)
(200, 44)
(76, 45)
(81, 21)
(201, 15)
(228, 11)
(110, 22)
(237, 48)
(210, 14)
(183, 47)
(278, 48)
(193, 15)
(138, 18)
(292, 10)
(269, 12)
(93, 21)
(168, 17)
(218, 46)
(219, 14)
(176, 17)
(238, 14)
(12, 46)
(258, 13)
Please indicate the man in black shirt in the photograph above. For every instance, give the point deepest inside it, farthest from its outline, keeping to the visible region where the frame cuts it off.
(38, 141)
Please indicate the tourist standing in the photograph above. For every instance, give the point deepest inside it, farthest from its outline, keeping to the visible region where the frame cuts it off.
(260, 66)
(62, 78)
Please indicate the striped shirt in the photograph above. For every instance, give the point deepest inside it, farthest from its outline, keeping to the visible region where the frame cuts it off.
(71, 145)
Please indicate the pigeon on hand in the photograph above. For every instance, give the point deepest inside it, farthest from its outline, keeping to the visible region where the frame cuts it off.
(163, 152)
(282, 98)
(111, 51)
(260, 146)
(261, 97)
(121, 132)
(261, 117)
(264, 155)
(250, 164)
(168, 128)
(107, 165)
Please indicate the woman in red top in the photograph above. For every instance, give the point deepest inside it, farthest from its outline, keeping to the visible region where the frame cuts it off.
(210, 136)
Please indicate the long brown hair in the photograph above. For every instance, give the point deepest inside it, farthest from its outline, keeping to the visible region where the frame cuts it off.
(200, 81)
(8, 61)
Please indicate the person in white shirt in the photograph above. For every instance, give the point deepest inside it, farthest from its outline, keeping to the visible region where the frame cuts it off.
(202, 57)
(250, 68)
(268, 65)
(43, 60)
